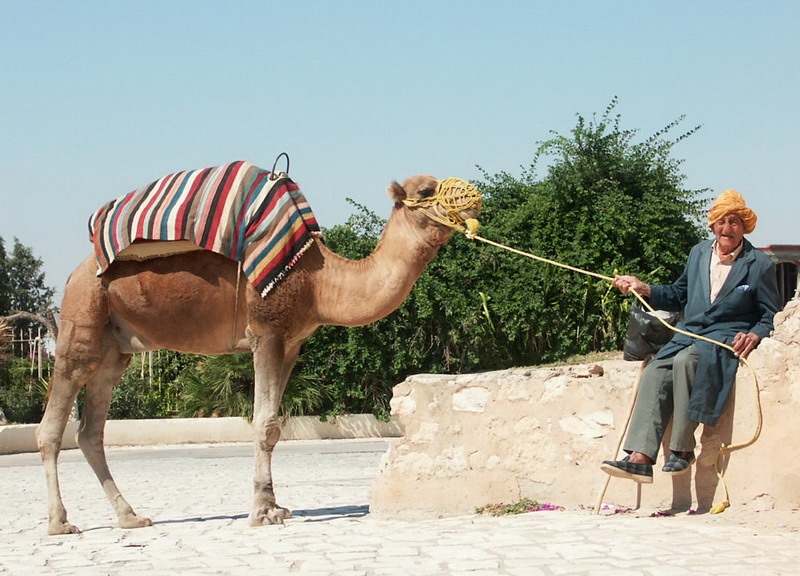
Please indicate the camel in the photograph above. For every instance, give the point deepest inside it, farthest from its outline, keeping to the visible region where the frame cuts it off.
(195, 302)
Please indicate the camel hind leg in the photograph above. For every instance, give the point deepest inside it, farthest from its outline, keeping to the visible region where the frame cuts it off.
(84, 313)
(85, 354)
(93, 421)
(77, 359)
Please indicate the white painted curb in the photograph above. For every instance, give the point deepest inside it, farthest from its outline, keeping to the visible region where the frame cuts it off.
(22, 438)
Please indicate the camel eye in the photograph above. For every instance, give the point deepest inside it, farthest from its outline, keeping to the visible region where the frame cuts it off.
(426, 192)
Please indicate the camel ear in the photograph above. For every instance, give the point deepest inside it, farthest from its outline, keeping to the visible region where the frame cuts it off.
(396, 192)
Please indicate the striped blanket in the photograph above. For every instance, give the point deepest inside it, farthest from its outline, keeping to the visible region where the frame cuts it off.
(235, 210)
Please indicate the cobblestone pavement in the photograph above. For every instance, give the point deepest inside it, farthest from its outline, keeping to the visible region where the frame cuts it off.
(199, 496)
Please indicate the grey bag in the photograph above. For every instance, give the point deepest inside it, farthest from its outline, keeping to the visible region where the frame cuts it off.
(646, 334)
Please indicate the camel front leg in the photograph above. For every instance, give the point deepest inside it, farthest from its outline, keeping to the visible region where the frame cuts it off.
(273, 364)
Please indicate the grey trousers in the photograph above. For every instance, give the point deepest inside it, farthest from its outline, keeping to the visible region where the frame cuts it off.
(664, 391)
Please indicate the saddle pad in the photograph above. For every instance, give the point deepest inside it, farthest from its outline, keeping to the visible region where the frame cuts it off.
(236, 210)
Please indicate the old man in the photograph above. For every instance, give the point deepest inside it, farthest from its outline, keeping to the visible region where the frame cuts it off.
(728, 293)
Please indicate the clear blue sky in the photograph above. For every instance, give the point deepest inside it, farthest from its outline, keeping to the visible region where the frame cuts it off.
(99, 97)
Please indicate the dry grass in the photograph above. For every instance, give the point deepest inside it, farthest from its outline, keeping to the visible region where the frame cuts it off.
(589, 358)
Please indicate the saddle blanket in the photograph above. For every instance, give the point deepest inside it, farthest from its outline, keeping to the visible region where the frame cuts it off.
(237, 210)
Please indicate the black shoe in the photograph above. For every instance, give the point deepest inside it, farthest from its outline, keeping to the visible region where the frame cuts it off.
(641, 473)
(677, 463)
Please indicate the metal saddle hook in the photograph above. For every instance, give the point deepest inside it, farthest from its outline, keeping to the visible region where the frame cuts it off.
(275, 175)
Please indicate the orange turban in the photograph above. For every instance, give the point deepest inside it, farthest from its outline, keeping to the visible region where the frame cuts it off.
(731, 202)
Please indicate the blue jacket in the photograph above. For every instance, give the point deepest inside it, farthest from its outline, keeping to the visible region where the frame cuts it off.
(747, 302)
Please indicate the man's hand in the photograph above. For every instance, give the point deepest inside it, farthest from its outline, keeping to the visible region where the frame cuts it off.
(627, 283)
(744, 343)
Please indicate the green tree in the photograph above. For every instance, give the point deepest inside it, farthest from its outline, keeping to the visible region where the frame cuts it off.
(28, 291)
(5, 282)
(22, 285)
(606, 205)
(24, 297)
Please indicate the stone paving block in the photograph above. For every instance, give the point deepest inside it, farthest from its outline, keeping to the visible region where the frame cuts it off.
(415, 568)
(524, 570)
(350, 555)
(604, 571)
(464, 565)
(398, 551)
(669, 570)
(446, 551)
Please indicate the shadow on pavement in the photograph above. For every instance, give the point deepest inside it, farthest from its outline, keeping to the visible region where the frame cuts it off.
(313, 515)
(325, 514)
(201, 519)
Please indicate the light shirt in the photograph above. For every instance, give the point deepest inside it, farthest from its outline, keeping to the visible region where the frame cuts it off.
(721, 265)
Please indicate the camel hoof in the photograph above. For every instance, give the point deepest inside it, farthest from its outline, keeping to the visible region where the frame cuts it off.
(58, 528)
(134, 521)
(269, 517)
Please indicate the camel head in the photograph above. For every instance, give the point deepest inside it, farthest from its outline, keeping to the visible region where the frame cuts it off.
(420, 196)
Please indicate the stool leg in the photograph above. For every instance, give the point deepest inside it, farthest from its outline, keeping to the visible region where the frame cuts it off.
(602, 494)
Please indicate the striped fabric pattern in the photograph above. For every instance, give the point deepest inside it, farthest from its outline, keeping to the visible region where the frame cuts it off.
(235, 210)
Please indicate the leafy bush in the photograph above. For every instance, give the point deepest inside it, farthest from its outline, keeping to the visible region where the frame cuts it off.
(606, 205)
(22, 394)
(225, 385)
(149, 388)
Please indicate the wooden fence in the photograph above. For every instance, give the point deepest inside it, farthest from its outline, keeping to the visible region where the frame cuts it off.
(34, 346)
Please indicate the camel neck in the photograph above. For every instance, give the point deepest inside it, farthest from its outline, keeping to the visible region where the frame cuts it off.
(358, 292)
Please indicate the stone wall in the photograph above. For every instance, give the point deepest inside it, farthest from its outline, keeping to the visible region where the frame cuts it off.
(22, 437)
(541, 433)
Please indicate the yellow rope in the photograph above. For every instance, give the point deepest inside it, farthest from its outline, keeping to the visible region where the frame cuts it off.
(471, 232)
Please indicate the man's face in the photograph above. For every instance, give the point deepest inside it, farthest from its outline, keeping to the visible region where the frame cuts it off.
(729, 231)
